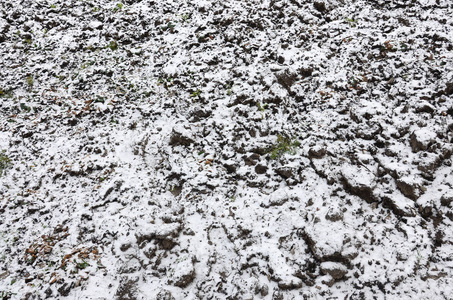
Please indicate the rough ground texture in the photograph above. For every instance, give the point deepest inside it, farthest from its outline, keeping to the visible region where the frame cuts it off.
(226, 149)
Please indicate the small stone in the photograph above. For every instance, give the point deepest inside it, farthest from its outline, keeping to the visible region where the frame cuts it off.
(184, 273)
(159, 232)
(399, 204)
(264, 290)
(277, 295)
(286, 78)
(230, 166)
(95, 25)
(328, 280)
(320, 6)
(48, 292)
(410, 187)
(290, 283)
(421, 139)
(260, 169)
(317, 152)
(274, 200)
(181, 137)
(65, 289)
(360, 182)
(425, 211)
(449, 88)
(429, 163)
(72, 122)
(285, 172)
(4, 275)
(125, 247)
(425, 108)
(334, 215)
(165, 295)
(33, 209)
(447, 199)
(334, 269)
(252, 159)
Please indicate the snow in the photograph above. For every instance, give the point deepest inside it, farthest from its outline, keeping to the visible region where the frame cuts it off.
(122, 182)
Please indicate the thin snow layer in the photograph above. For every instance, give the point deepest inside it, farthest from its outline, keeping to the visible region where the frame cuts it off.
(226, 149)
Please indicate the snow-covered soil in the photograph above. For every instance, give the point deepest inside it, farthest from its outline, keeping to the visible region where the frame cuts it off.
(226, 149)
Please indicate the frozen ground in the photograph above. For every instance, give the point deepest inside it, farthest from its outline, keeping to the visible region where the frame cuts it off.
(226, 149)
